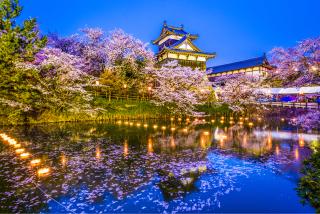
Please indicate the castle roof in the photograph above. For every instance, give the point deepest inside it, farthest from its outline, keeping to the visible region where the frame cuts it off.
(258, 61)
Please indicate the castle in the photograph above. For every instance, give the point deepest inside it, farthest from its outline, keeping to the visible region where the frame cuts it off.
(174, 43)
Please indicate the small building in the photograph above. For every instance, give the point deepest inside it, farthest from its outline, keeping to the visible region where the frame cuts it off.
(256, 67)
(174, 43)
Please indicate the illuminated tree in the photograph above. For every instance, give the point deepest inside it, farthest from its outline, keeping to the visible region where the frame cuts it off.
(179, 88)
(297, 66)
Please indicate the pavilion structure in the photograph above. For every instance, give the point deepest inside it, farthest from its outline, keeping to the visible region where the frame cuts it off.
(257, 67)
(174, 43)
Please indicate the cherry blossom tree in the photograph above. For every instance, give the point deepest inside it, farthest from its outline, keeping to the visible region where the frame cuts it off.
(179, 88)
(296, 66)
(309, 120)
(240, 91)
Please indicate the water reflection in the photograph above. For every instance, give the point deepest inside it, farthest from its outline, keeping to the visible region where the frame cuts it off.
(111, 167)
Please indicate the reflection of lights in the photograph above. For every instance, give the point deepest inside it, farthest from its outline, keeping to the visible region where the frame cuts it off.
(63, 160)
(126, 123)
(212, 121)
(131, 123)
(301, 142)
(19, 151)
(138, 124)
(277, 150)
(43, 171)
(150, 145)
(163, 127)
(98, 152)
(25, 155)
(125, 148)
(145, 125)
(282, 119)
(172, 143)
(296, 153)
(250, 123)
(173, 128)
(119, 122)
(35, 162)
(155, 126)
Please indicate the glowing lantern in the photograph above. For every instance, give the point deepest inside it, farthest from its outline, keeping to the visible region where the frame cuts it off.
(19, 151)
(171, 118)
(35, 162)
(138, 124)
(155, 126)
(17, 146)
(145, 125)
(173, 128)
(250, 123)
(282, 119)
(179, 119)
(212, 121)
(185, 130)
(163, 128)
(131, 123)
(43, 171)
(25, 155)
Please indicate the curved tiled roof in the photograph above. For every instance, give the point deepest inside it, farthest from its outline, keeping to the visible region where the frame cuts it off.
(238, 65)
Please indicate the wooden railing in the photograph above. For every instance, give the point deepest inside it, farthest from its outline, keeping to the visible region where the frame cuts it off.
(306, 105)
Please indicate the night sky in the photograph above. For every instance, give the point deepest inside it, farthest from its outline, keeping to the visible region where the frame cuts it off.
(234, 29)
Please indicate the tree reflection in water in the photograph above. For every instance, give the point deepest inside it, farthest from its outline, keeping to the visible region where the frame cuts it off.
(100, 167)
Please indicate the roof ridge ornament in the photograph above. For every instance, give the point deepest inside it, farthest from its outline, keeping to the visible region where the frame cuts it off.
(165, 23)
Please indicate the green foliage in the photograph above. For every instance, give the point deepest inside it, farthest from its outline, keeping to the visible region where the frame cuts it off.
(18, 44)
(309, 185)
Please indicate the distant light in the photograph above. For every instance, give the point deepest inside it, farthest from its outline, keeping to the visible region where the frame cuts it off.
(282, 119)
(240, 123)
(203, 120)
(171, 118)
(163, 128)
(97, 83)
(155, 126)
(43, 171)
(212, 121)
(179, 119)
(124, 86)
(145, 125)
(185, 130)
(138, 124)
(131, 123)
(250, 123)
(187, 119)
(17, 145)
(173, 128)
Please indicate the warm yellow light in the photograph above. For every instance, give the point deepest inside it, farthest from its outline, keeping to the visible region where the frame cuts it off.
(43, 171)
(203, 120)
(222, 118)
(155, 126)
(231, 118)
(131, 123)
(97, 83)
(185, 130)
(173, 128)
(231, 122)
(179, 119)
(149, 88)
(145, 125)
(35, 162)
(171, 118)
(187, 119)
(250, 123)
(124, 86)
(259, 118)
(19, 151)
(163, 128)
(247, 118)
(206, 133)
(282, 119)
(126, 122)
(196, 119)
(240, 118)
(240, 123)
(138, 124)
(25, 155)
(119, 122)
(212, 121)
(17, 145)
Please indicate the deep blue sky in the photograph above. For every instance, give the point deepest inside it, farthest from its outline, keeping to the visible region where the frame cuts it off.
(234, 29)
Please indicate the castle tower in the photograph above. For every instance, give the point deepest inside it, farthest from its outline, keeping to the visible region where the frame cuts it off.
(175, 43)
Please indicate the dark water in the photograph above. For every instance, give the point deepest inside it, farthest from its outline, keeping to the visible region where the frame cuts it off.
(177, 166)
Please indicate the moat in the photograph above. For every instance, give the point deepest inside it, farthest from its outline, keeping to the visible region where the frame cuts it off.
(154, 166)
